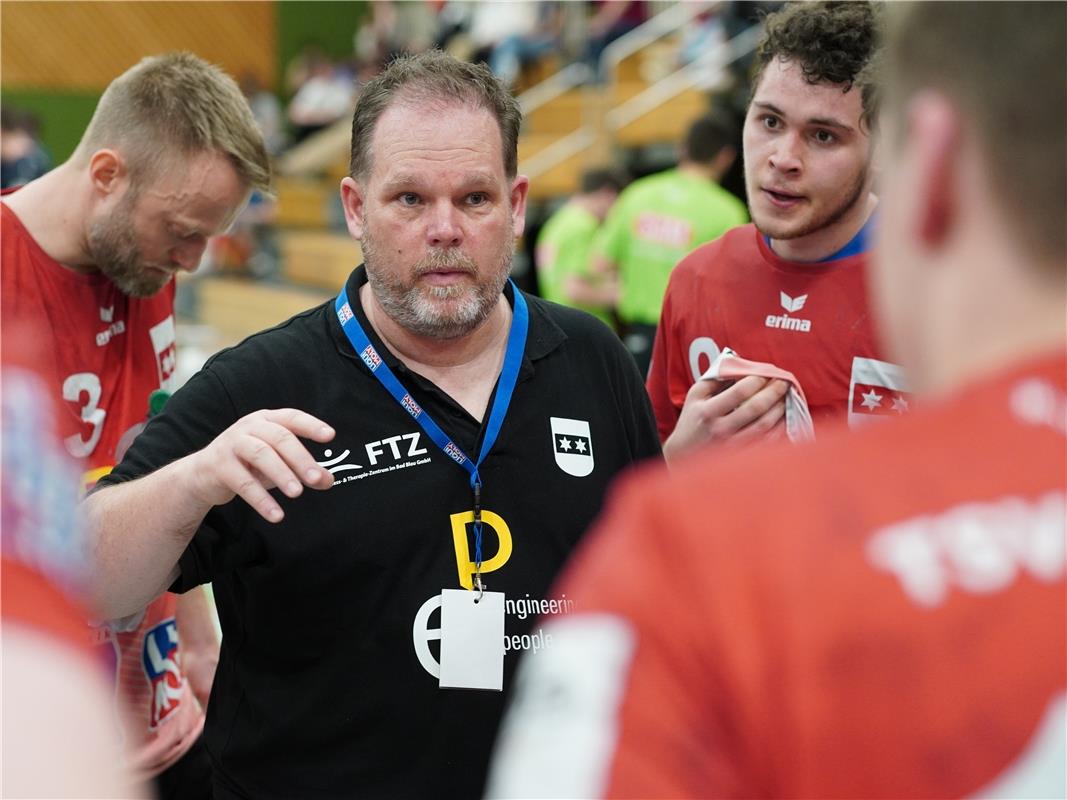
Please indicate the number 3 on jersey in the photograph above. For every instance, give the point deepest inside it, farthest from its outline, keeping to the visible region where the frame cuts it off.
(75, 387)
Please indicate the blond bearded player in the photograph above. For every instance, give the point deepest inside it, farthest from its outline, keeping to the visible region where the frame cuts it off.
(89, 253)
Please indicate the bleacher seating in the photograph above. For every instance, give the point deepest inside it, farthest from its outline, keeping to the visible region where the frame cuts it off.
(315, 251)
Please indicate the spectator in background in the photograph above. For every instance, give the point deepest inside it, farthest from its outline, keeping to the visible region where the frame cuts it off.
(511, 35)
(610, 19)
(565, 243)
(267, 111)
(395, 27)
(326, 95)
(661, 218)
(249, 244)
(879, 614)
(168, 159)
(22, 156)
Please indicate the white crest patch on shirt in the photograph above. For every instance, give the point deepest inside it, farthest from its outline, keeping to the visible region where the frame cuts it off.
(572, 445)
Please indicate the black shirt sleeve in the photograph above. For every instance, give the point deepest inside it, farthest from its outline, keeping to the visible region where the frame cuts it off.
(191, 419)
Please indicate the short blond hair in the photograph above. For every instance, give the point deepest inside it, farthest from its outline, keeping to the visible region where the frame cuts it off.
(176, 105)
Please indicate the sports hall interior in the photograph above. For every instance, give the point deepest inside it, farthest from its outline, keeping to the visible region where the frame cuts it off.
(628, 108)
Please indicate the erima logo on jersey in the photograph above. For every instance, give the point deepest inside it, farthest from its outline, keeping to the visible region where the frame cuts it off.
(793, 304)
(786, 322)
(112, 330)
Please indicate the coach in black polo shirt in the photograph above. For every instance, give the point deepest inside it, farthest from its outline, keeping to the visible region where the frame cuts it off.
(458, 435)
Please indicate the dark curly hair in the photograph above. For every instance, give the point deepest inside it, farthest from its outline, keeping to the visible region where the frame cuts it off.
(832, 42)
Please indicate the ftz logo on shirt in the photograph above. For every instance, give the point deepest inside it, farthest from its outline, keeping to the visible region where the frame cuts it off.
(160, 659)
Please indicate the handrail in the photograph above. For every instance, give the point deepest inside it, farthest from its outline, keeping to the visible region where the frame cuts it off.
(656, 95)
(684, 78)
(556, 153)
(658, 26)
(570, 77)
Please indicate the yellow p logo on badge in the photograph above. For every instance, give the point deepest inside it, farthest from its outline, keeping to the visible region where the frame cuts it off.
(464, 562)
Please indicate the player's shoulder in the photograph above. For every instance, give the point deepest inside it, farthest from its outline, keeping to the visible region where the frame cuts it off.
(736, 244)
(845, 479)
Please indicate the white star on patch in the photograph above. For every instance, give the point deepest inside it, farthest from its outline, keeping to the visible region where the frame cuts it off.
(900, 405)
(871, 399)
(580, 445)
(564, 444)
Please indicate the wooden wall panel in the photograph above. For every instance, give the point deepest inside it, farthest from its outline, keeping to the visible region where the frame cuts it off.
(84, 45)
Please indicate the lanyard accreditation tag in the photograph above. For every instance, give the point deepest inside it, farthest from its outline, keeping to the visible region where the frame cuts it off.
(472, 640)
(509, 375)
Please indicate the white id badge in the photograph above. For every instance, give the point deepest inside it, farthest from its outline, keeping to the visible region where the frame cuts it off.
(472, 640)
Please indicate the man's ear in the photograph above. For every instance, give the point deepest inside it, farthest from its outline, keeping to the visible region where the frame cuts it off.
(935, 137)
(520, 187)
(108, 171)
(352, 200)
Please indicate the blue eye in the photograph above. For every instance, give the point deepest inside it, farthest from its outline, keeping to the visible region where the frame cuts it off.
(477, 198)
(408, 199)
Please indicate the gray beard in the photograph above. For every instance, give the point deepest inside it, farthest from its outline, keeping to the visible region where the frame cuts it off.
(418, 310)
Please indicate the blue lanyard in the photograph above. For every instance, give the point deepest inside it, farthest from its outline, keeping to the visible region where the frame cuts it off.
(509, 375)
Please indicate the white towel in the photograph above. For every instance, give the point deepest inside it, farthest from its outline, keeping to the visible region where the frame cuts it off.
(729, 366)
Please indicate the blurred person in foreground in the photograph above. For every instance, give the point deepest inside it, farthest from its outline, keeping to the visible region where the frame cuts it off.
(56, 695)
(89, 252)
(789, 290)
(566, 240)
(370, 626)
(892, 624)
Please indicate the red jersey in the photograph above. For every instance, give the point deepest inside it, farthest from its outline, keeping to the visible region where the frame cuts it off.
(43, 576)
(809, 319)
(891, 625)
(107, 353)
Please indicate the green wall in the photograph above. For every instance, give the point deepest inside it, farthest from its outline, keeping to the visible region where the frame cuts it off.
(63, 116)
(331, 25)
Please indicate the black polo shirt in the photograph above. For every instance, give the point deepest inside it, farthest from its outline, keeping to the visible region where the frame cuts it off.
(325, 687)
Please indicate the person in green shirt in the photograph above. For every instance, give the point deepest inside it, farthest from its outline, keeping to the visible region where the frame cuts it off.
(566, 240)
(659, 219)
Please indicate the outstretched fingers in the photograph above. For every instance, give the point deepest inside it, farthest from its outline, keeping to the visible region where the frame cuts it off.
(262, 451)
